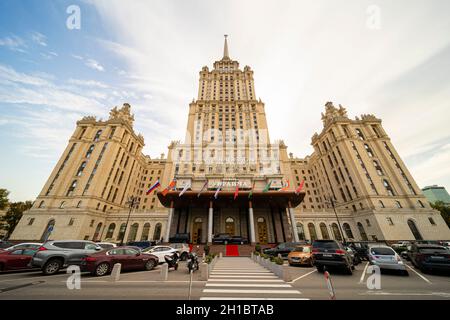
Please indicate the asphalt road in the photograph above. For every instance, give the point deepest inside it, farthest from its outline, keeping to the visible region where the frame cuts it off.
(147, 285)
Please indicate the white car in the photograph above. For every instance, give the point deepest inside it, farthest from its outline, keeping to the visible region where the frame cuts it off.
(25, 245)
(161, 251)
(183, 249)
(106, 245)
(386, 258)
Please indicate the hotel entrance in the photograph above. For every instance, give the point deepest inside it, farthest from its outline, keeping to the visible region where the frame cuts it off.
(197, 231)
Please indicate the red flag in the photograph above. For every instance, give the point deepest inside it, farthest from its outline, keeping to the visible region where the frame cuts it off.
(300, 187)
(236, 192)
(171, 186)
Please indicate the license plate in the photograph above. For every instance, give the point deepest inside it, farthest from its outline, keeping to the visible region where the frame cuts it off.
(437, 257)
(327, 255)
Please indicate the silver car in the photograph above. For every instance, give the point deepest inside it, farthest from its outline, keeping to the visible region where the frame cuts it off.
(386, 258)
(55, 255)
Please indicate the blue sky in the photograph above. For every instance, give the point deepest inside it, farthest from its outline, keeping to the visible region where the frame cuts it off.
(149, 53)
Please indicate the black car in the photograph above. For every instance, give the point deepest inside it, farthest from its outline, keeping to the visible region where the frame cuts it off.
(331, 253)
(222, 238)
(428, 257)
(362, 248)
(180, 238)
(5, 244)
(141, 244)
(283, 248)
(238, 240)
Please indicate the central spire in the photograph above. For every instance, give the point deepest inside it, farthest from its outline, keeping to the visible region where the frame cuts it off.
(225, 49)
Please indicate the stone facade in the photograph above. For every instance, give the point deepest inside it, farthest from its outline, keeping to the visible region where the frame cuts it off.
(354, 166)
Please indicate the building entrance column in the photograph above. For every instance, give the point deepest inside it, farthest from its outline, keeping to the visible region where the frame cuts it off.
(169, 222)
(210, 222)
(293, 223)
(251, 222)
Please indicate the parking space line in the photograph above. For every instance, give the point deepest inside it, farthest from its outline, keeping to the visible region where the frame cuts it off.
(361, 280)
(248, 298)
(303, 276)
(251, 291)
(421, 276)
(38, 277)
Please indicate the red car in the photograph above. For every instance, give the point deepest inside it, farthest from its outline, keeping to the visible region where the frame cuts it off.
(101, 263)
(16, 259)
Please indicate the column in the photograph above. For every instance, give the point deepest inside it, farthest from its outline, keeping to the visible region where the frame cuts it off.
(210, 222)
(169, 222)
(293, 223)
(251, 222)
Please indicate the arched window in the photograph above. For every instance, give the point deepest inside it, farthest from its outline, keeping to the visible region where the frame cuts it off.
(110, 232)
(312, 231)
(300, 231)
(41, 205)
(324, 231)
(388, 187)
(336, 232)
(398, 204)
(48, 230)
(121, 231)
(97, 232)
(79, 204)
(72, 188)
(89, 152)
(377, 167)
(369, 151)
(414, 230)
(347, 230)
(133, 232)
(359, 133)
(145, 232)
(157, 233)
(362, 232)
(97, 135)
(62, 205)
(81, 168)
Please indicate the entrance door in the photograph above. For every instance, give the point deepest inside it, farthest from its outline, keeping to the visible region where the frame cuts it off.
(197, 231)
(262, 231)
(229, 226)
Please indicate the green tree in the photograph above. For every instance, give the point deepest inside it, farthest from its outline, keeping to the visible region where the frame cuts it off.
(4, 198)
(12, 217)
(444, 210)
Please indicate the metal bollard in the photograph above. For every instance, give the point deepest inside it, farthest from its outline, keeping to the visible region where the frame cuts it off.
(286, 273)
(164, 271)
(115, 273)
(220, 255)
(204, 272)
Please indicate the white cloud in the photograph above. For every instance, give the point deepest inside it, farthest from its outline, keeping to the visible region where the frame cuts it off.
(39, 38)
(93, 64)
(13, 43)
(88, 83)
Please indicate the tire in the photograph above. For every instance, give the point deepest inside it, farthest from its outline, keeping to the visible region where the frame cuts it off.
(405, 273)
(320, 269)
(149, 265)
(1, 267)
(183, 256)
(349, 270)
(176, 267)
(101, 270)
(52, 267)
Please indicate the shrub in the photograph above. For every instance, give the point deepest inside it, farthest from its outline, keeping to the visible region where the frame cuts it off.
(206, 249)
(278, 261)
(210, 257)
(258, 248)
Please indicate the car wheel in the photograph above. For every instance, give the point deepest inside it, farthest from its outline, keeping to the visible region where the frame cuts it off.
(52, 266)
(1, 267)
(405, 273)
(349, 270)
(183, 256)
(102, 269)
(319, 269)
(149, 265)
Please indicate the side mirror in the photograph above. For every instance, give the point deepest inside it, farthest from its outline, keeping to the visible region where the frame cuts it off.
(98, 248)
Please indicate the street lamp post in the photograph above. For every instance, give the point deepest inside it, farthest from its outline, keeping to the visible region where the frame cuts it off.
(132, 202)
(337, 218)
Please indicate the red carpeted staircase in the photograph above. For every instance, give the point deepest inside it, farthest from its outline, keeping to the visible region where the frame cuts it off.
(232, 250)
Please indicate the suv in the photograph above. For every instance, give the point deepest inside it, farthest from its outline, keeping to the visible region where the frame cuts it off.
(283, 248)
(331, 253)
(183, 250)
(180, 238)
(54, 255)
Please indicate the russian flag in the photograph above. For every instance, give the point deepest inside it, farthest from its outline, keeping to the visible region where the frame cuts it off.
(153, 187)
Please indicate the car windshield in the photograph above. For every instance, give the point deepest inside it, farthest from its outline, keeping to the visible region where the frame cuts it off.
(148, 249)
(325, 244)
(433, 249)
(303, 249)
(382, 251)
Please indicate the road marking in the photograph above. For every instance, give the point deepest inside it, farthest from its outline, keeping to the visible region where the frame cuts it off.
(138, 281)
(425, 279)
(248, 285)
(303, 276)
(21, 286)
(261, 276)
(249, 298)
(39, 277)
(361, 280)
(246, 280)
(251, 291)
(382, 293)
(243, 273)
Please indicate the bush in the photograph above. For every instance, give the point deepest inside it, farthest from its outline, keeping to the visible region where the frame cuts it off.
(258, 248)
(206, 249)
(210, 257)
(256, 253)
(278, 261)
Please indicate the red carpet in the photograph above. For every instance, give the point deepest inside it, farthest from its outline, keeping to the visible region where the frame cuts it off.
(232, 250)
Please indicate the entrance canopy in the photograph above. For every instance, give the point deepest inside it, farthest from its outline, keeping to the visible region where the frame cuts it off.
(258, 199)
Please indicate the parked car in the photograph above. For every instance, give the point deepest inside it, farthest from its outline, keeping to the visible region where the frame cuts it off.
(331, 253)
(221, 238)
(355, 256)
(428, 257)
(180, 238)
(362, 248)
(386, 258)
(102, 263)
(400, 244)
(238, 240)
(161, 251)
(5, 244)
(16, 259)
(182, 248)
(107, 245)
(141, 244)
(283, 248)
(26, 245)
(301, 255)
(52, 256)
